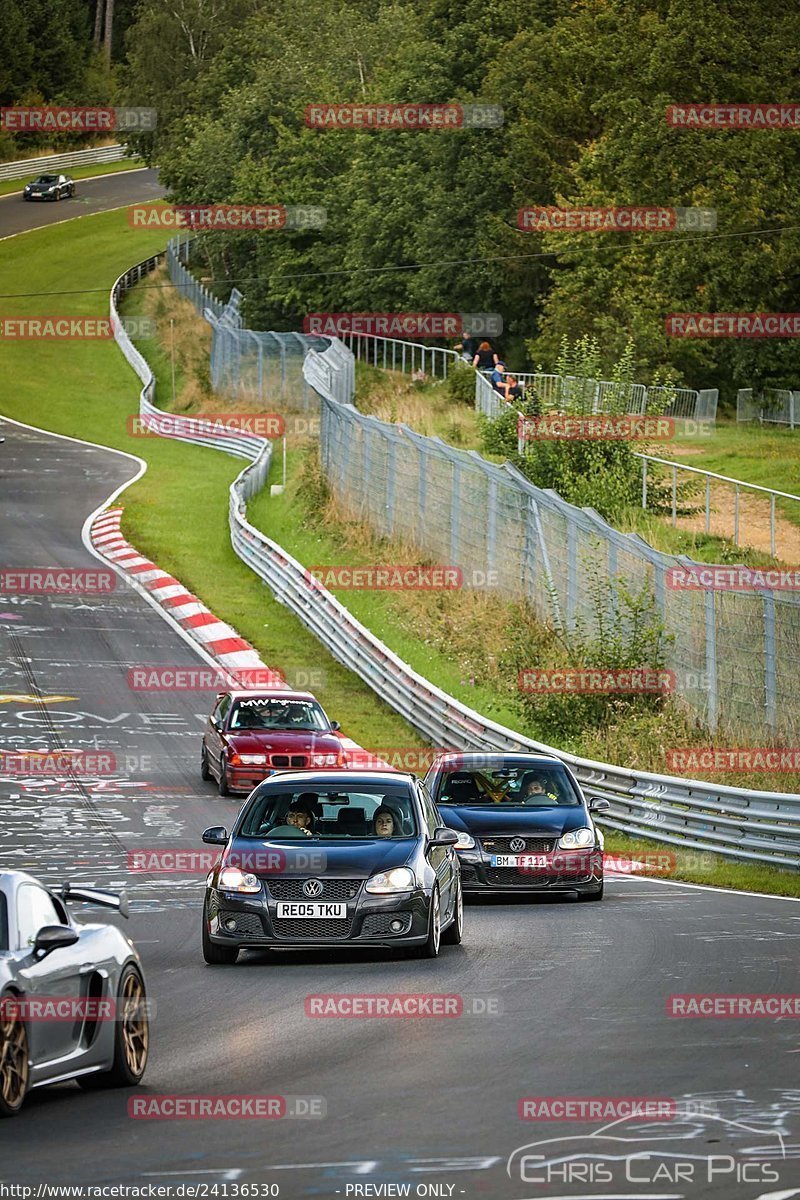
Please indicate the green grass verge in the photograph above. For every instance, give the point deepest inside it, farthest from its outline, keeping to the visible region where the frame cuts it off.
(86, 389)
(7, 186)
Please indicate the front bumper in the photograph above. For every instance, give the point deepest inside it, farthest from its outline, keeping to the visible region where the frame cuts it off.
(244, 779)
(252, 921)
(564, 871)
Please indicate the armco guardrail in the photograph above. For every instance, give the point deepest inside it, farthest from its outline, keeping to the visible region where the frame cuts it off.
(735, 822)
(23, 167)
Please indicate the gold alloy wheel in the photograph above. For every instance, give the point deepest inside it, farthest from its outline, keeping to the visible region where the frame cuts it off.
(14, 1067)
(135, 1025)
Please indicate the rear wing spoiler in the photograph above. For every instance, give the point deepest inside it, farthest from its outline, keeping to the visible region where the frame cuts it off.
(72, 892)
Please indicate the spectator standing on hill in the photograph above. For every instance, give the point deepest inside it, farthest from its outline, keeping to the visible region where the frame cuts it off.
(485, 358)
(498, 377)
(468, 347)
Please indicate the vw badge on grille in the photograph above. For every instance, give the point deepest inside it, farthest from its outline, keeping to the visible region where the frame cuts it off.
(517, 844)
(312, 887)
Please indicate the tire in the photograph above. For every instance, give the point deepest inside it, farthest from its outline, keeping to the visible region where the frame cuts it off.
(598, 895)
(131, 1036)
(222, 783)
(205, 774)
(14, 1062)
(214, 955)
(430, 948)
(455, 930)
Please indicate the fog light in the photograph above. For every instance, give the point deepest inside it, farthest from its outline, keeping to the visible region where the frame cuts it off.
(396, 926)
(230, 924)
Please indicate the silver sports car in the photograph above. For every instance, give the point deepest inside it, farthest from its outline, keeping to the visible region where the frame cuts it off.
(72, 996)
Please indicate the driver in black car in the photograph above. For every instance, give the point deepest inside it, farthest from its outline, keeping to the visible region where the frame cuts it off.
(533, 787)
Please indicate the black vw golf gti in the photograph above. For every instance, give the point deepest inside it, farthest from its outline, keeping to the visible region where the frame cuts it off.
(522, 823)
(332, 858)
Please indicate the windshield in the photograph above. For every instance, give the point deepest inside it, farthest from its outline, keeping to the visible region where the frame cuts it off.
(268, 712)
(523, 786)
(330, 813)
(46, 179)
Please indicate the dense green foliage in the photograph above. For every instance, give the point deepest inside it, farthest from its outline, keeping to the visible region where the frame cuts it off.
(427, 221)
(49, 55)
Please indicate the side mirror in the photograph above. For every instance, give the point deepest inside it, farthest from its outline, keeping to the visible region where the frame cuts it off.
(442, 836)
(217, 835)
(598, 804)
(54, 937)
(335, 726)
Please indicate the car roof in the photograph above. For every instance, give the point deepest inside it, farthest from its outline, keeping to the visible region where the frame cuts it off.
(9, 878)
(345, 779)
(270, 694)
(487, 757)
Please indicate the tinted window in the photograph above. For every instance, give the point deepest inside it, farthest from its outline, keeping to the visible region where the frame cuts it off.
(269, 712)
(34, 910)
(518, 786)
(333, 813)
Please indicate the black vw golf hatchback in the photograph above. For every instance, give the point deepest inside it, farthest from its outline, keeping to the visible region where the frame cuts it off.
(332, 858)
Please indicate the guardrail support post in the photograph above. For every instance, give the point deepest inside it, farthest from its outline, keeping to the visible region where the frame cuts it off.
(708, 503)
(770, 681)
(491, 527)
(644, 482)
(455, 516)
(572, 571)
(772, 543)
(674, 496)
(711, 660)
(736, 517)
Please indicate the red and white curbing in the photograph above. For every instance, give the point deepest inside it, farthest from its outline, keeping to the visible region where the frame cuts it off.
(217, 639)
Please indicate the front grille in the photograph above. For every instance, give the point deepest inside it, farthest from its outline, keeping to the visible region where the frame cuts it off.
(317, 929)
(247, 924)
(288, 760)
(468, 873)
(378, 924)
(535, 843)
(332, 889)
(511, 877)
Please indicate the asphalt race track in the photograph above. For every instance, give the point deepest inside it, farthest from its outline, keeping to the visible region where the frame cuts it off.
(576, 993)
(91, 196)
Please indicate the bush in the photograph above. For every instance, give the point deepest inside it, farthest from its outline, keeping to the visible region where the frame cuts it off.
(461, 384)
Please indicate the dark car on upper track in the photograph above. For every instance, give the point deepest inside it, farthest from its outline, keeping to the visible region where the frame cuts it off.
(72, 996)
(335, 859)
(49, 187)
(250, 735)
(523, 823)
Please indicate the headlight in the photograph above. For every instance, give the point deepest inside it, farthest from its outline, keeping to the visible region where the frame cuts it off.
(576, 839)
(326, 760)
(400, 879)
(247, 759)
(234, 880)
(465, 841)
